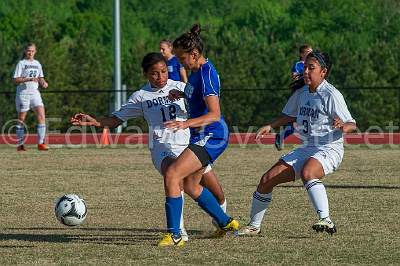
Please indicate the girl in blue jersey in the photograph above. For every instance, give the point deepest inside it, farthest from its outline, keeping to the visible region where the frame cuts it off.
(209, 138)
(175, 70)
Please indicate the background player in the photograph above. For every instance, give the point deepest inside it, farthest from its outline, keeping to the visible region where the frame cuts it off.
(175, 70)
(320, 110)
(297, 82)
(208, 138)
(29, 76)
(152, 102)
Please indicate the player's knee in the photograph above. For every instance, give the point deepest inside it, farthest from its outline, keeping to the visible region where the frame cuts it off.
(307, 174)
(267, 179)
(170, 177)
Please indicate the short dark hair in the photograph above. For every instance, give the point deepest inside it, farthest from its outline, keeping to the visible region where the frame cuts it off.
(190, 40)
(304, 47)
(152, 59)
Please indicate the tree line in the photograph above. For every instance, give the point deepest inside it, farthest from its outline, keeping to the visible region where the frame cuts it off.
(252, 44)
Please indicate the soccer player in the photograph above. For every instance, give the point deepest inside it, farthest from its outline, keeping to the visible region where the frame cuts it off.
(297, 78)
(208, 139)
(29, 76)
(175, 70)
(152, 102)
(322, 115)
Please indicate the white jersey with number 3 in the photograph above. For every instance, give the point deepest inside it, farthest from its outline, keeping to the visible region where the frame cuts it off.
(315, 113)
(153, 104)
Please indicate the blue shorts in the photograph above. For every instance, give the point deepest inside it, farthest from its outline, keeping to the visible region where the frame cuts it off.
(214, 146)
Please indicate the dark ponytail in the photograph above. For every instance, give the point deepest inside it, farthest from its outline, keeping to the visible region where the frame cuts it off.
(190, 40)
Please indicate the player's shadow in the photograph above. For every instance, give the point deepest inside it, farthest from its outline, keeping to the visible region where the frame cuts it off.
(390, 187)
(112, 236)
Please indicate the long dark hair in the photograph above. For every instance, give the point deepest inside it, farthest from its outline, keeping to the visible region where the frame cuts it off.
(190, 40)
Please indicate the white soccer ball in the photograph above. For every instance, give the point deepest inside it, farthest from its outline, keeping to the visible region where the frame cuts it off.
(70, 210)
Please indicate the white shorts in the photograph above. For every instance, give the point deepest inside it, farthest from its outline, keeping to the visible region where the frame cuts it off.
(162, 150)
(26, 101)
(330, 158)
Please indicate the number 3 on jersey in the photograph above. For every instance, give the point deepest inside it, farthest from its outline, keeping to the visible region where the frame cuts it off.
(305, 126)
(172, 113)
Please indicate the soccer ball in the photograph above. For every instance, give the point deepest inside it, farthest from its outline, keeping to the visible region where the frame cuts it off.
(70, 210)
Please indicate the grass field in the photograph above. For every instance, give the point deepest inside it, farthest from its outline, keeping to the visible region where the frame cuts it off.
(125, 202)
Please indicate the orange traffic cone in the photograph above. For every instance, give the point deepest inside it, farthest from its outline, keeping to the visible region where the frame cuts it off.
(105, 137)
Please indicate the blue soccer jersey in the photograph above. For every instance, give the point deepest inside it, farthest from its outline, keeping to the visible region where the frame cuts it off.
(202, 83)
(298, 67)
(173, 69)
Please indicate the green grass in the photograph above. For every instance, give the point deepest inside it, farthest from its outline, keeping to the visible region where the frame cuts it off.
(125, 199)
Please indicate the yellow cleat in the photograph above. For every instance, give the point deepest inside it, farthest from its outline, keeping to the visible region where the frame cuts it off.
(232, 226)
(169, 240)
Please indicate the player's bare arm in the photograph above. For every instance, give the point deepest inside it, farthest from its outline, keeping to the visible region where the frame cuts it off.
(281, 121)
(82, 119)
(345, 127)
(20, 80)
(213, 115)
(43, 83)
(175, 95)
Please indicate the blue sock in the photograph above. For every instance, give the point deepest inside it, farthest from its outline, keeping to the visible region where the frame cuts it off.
(20, 134)
(209, 204)
(289, 130)
(173, 210)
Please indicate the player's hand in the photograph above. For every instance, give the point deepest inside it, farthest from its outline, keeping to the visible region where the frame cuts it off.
(44, 84)
(175, 95)
(176, 125)
(81, 119)
(338, 123)
(263, 131)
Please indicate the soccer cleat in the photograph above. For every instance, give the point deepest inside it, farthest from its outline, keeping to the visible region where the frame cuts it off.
(249, 230)
(184, 235)
(170, 240)
(233, 225)
(42, 147)
(21, 148)
(325, 224)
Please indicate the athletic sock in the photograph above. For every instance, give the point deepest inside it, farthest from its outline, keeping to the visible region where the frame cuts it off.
(223, 206)
(20, 131)
(41, 131)
(319, 199)
(173, 209)
(209, 204)
(182, 225)
(259, 206)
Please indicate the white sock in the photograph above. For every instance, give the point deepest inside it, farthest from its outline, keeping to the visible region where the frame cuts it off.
(319, 199)
(41, 131)
(259, 206)
(181, 225)
(20, 130)
(223, 206)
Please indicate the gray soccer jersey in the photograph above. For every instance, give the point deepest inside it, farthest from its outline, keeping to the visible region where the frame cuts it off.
(315, 113)
(32, 69)
(156, 108)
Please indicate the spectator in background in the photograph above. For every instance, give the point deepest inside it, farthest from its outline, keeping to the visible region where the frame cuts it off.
(175, 70)
(297, 82)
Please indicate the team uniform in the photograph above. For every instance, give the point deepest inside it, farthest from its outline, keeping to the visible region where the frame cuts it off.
(315, 113)
(298, 68)
(153, 104)
(213, 137)
(174, 68)
(28, 95)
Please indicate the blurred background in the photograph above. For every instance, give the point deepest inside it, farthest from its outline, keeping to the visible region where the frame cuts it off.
(253, 45)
